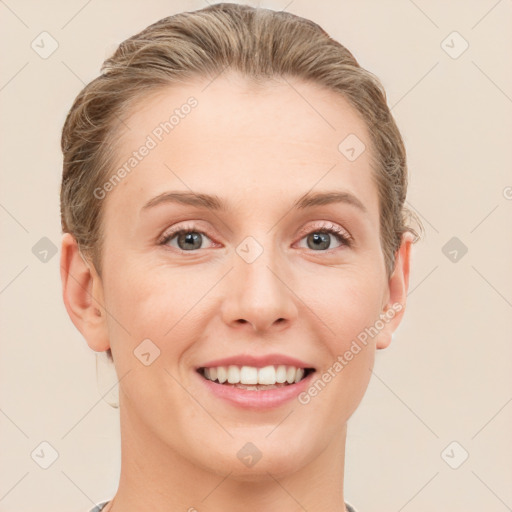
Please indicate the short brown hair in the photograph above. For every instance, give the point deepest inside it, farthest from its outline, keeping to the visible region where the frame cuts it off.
(260, 44)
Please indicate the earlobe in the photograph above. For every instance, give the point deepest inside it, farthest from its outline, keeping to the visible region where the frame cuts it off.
(82, 292)
(398, 286)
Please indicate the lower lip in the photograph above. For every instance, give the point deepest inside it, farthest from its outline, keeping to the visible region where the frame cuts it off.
(257, 399)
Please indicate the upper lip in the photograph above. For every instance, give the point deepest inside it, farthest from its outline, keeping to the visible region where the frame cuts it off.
(257, 361)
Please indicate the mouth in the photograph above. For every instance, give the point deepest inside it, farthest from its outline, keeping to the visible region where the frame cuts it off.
(253, 378)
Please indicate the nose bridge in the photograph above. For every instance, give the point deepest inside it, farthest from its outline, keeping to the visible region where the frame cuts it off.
(257, 292)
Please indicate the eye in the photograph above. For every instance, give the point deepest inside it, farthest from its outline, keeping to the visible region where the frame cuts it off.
(187, 239)
(320, 238)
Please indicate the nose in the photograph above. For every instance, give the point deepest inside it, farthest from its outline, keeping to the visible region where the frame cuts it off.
(259, 294)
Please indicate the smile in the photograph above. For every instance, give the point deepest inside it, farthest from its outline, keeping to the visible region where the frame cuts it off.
(252, 387)
(253, 378)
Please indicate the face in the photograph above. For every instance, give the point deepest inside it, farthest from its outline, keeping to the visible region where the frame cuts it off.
(258, 275)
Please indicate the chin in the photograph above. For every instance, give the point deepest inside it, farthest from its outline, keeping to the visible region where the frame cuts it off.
(252, 464)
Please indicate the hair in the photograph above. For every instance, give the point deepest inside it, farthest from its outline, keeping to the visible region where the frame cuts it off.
(260, 44)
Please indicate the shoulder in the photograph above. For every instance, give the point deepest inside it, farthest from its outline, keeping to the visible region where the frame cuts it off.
(101, 506)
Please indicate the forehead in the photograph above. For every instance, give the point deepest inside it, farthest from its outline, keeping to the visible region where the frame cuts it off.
(249, 144)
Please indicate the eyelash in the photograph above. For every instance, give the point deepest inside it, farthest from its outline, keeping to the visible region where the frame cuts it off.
(340, 234)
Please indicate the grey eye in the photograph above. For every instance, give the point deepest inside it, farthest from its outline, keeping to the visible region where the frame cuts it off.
(186, 240)
(189, 241)
(319, 240)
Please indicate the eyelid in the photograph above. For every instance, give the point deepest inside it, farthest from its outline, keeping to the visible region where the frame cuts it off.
(328, 226)
(185, 226)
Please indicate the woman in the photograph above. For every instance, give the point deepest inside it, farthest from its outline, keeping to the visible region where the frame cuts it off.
(235, 239)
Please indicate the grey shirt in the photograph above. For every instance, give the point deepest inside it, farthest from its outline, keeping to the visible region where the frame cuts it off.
(102, 505)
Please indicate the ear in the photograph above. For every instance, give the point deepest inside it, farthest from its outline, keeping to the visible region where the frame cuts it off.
(82, 291)
(398, 284)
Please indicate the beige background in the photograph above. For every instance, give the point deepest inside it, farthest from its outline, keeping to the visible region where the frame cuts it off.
(447, 375)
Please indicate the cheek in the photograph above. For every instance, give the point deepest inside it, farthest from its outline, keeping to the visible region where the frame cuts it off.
(152, 323)
(349, 305)
(157, 303)
(342, 382)
(350, 309)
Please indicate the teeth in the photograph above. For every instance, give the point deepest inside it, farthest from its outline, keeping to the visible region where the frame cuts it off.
(281, 373)
(249, 375)
(222, 374)
(268, 375)
(233, 374)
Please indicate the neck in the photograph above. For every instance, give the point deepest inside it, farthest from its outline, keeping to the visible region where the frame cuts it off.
(155, 477)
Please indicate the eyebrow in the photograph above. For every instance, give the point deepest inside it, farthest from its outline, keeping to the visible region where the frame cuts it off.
(213, 202)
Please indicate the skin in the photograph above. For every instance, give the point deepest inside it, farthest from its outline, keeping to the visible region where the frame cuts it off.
(259, 149)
